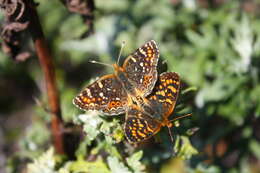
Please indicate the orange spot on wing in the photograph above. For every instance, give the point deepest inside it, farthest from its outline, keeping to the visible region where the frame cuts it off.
(164, 84)
(141, 134)
(169, 101)
(149, 129)
(172, 88)
(162, 93)
(118, 104)
(86, 100)
(112, 104)
(141, 125)
(169, 95)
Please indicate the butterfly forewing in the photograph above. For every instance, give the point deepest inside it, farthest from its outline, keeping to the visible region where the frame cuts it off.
(105, 95)
(141, 67)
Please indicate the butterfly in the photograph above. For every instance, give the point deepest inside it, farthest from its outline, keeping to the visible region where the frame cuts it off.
(142, 123)
(113, 93)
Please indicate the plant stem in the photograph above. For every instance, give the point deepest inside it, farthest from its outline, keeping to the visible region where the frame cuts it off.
(47, 66)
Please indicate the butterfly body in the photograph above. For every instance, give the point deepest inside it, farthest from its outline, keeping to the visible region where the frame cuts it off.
(127, 85)
(153, 110)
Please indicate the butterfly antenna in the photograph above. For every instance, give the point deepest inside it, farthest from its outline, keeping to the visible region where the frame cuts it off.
(170, 132)
(121, 50)
(180, 117)
(172, 139)
(95, 62)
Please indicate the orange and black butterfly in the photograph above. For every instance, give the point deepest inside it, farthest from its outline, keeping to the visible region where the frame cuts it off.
(143, 122)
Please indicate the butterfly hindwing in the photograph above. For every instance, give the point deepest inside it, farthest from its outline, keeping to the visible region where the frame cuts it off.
(139, 126)
(165, 93)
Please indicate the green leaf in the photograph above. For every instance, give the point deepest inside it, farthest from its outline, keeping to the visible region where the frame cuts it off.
(134, 162)
(45, 163)
(243, 44)
(91, 123)
(112, 130)
(174, 165)
(36, 136)
(116, 166)
(85, 166)
(201, 168)
(184, 148)
(254, 146)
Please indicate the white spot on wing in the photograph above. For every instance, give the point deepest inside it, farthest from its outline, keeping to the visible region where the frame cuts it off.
(133, 59)
(76, 99)
(142, 51)
(100, 85)
(88, 92)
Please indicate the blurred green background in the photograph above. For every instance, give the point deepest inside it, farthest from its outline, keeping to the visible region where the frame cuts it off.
(213, 45)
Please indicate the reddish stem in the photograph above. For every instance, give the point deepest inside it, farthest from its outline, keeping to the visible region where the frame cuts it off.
(47, 66)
